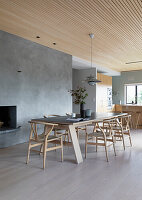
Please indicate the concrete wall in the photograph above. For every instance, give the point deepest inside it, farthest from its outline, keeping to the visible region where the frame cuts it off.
(42, 86)
(118, 83)
(78, 77)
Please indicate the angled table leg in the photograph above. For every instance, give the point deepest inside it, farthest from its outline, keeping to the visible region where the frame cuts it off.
(76, 145)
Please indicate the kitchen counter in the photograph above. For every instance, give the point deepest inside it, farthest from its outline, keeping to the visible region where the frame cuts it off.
(134, 110)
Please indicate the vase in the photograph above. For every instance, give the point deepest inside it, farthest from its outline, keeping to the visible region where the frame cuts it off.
(82, 111)
(88, 112)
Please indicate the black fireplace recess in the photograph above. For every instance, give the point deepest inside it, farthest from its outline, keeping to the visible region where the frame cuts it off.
(8, 115)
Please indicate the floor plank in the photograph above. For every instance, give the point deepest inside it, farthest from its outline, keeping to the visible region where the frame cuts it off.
(121, 178)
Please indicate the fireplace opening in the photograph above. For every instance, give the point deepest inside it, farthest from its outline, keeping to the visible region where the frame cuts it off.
(8, 117)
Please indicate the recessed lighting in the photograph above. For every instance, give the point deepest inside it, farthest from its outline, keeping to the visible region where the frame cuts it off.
(54, 43)
(38, 36)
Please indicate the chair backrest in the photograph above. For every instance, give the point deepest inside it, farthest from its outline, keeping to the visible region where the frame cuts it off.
(103, 127)
(126, 122)
(48, 127)
(118, 121)
(47, 130)
(108, 125)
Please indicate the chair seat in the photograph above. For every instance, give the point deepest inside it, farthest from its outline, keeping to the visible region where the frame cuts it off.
(41, 138)
(59, 129)
(98, 134)
(60, 133)
(117, 128)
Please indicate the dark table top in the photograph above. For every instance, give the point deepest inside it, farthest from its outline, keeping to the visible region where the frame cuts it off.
(67, 120)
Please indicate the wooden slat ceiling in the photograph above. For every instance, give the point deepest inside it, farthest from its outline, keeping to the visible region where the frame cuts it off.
(117, 25)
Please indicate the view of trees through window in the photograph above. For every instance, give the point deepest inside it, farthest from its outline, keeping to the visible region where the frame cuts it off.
(134, 94)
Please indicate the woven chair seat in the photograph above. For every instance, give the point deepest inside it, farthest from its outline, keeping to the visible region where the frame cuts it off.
(40, 138)
(99, 134)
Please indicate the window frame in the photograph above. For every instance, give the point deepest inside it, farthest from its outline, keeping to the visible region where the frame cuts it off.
(136, 93)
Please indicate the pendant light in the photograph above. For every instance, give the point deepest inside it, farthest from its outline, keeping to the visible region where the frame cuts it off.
(91, 80)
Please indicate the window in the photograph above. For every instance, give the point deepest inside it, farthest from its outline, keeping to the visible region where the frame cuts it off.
(139, 94)
(134, 94)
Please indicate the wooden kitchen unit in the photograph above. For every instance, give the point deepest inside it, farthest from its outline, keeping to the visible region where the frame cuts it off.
(134, 110)
(102, 93)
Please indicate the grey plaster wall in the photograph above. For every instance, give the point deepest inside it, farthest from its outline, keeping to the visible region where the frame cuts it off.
(78, 77)
(118, 83)
(42, 86)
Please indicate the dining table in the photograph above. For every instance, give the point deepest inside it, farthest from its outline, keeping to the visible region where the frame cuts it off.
(67, 122)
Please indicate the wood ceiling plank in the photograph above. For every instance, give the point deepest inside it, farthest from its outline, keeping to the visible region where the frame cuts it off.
(117, 25)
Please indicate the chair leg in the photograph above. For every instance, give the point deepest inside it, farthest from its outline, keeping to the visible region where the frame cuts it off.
(86, 140)
(28, 154)
(41, 149)
(114, 145)
(44, 153)
(130, 138)
(123, 141)
(68, 136)
(106, 150)
(96, 144)
(65, 137)
(62, 149)
(55, 136)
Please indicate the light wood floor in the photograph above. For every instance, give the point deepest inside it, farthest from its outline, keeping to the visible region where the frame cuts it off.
(94, 179)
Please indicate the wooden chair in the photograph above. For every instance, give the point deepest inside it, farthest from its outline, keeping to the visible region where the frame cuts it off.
(137, 119)
(66, 134)
(132, 120)
(80, 128)
(59, 131)
(102, 136)
(43, 140)
(121, 127)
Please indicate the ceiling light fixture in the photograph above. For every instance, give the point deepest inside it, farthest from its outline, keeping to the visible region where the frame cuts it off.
(91, 80)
